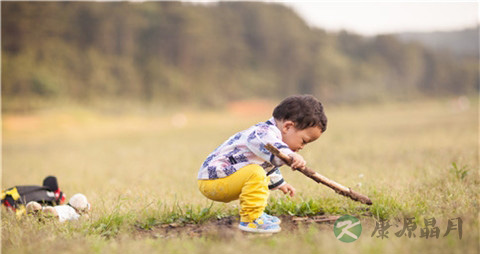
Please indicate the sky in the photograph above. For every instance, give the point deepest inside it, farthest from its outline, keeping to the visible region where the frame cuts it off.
(380, 17)
(370, 18)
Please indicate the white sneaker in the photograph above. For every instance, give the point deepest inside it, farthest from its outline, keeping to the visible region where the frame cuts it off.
(260, 225)
(271, 218)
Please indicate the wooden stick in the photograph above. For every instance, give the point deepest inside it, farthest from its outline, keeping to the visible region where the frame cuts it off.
(340, 189)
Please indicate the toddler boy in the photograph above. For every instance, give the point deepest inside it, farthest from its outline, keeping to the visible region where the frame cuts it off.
(241, 168)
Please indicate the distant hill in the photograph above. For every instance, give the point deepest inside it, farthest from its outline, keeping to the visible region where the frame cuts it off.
(461, 42)
(174, 53)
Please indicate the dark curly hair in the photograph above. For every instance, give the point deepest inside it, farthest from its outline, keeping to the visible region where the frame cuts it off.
(304, 110)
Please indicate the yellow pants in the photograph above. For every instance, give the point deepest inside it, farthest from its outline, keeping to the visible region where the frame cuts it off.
(249, 184)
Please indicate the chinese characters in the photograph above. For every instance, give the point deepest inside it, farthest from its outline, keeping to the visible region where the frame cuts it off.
(430, 230)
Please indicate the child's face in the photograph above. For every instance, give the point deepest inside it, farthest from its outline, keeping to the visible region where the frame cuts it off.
(296, 139)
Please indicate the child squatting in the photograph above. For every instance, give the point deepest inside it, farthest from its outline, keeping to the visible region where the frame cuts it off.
(241, 168)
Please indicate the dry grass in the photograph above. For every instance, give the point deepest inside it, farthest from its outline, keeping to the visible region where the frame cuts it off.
(416, 159)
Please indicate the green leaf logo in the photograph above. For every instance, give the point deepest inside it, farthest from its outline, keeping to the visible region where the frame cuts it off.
(347, 228)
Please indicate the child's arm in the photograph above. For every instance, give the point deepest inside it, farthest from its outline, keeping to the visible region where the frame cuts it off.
(257, 140)
(276, 179)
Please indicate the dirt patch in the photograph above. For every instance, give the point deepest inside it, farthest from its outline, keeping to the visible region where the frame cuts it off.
(20, 122)
(227, 227)
(251, 107)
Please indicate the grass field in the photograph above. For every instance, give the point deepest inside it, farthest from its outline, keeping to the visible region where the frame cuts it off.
(414, 160)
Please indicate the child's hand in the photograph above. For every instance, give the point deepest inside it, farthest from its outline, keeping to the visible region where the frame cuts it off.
(297, 161)
(287, 189)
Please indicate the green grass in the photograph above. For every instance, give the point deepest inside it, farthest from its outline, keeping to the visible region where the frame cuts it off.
(138, 171)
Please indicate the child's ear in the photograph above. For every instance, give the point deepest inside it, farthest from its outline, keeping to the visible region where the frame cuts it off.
(287, 125)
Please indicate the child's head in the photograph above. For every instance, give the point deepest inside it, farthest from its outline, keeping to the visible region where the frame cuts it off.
(303, 110)
(301, 120)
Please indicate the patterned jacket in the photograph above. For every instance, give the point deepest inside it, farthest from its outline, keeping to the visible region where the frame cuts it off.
(248, 147)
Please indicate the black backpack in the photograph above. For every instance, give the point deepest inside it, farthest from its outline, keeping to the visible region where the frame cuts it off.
(15, 198)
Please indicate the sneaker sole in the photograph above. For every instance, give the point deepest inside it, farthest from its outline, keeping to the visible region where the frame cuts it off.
(262, 231)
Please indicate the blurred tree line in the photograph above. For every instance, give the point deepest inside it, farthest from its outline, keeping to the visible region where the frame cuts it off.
(177, 53)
